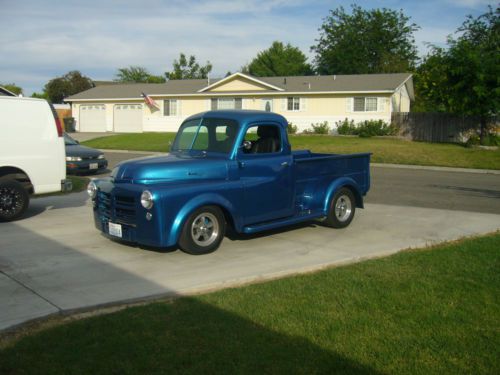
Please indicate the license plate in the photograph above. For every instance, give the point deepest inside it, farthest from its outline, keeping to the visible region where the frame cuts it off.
(115, 229)
(93, 166)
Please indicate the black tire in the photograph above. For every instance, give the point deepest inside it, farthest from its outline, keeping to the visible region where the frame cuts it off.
(14, 200)
(203, 231)
(342, 209)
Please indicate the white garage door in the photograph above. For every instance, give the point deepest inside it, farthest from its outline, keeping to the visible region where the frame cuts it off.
(93, 118)
(127, 118)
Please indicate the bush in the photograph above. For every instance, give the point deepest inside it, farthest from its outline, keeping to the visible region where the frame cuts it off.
(368, 128)
(291, 128)
(489, 140)
(321, 128)
(346, 127)
(371, 128)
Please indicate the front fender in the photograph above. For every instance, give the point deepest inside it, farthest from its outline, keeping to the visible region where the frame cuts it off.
(209, 199)
(338, 184)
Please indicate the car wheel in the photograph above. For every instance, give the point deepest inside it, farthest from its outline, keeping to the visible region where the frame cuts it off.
(342, 209)
(203, 231)
(14, 200)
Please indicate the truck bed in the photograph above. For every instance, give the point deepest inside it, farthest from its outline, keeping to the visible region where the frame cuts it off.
(315, 172)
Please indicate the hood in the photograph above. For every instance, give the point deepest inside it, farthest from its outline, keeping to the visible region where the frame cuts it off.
(173, 167)
(82, 151)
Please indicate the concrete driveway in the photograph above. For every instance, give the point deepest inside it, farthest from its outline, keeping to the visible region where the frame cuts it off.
(54, 261)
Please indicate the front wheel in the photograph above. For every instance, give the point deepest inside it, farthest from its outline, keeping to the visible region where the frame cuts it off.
(203, 231)
(342, 209)
(14, 200)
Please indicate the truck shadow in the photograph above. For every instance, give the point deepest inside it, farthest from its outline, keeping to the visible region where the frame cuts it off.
(234, 236)
(189, 334)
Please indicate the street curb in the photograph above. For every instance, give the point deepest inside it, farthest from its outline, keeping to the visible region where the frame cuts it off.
(438, 169)
(376, 165)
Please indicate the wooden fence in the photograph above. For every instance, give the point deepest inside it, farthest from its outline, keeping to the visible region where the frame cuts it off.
(434, 127)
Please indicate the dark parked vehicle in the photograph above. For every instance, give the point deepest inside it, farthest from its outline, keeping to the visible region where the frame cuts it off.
(82, 159)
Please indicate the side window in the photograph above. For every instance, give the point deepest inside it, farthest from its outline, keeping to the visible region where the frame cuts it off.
(264, 139)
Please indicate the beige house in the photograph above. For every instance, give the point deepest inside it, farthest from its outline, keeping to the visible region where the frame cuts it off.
(302, 100)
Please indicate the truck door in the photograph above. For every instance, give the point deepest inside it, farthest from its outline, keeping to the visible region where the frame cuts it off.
(265, 170)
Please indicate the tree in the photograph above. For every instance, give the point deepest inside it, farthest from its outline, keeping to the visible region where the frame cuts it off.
(465, 77)
(137, 74)
(279, 60)
(184, 69)
(365, 41)
(69, 84)
(13, 88)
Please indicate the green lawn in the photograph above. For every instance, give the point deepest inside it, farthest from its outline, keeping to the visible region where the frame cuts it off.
(431, 311)
(385, 150)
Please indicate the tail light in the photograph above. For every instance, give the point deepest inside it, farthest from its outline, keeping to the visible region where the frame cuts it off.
(59, 127)
(56, 119)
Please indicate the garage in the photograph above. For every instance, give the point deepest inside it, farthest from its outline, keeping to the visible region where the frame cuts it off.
(127, 118)
(93, 118)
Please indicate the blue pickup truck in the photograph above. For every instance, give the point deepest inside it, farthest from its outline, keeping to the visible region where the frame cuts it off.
(227, 168)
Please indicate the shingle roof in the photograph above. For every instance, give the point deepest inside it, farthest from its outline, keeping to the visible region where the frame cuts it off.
(339, 83)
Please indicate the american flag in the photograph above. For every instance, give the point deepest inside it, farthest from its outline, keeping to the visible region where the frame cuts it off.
(149, 101)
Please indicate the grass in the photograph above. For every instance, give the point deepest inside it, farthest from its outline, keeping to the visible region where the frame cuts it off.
(430, 311)
(385, 150)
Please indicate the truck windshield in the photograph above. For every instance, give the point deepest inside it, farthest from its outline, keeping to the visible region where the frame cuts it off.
(206, 134)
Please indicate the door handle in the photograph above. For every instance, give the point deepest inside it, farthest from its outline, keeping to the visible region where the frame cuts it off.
(284, 164)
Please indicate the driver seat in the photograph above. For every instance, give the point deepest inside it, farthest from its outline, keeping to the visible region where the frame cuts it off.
(268, 140)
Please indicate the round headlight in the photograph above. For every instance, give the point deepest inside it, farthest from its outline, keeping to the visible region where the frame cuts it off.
(147, 199)
(92, 189)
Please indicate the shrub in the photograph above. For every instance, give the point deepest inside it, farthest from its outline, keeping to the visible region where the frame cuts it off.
(489, 140)
(320, 128)
(346, 127)
(291, 128)
(371, 128)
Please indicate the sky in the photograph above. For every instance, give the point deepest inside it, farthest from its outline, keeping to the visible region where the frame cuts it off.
(44, 39)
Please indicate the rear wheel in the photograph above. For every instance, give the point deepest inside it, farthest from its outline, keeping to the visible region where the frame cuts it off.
(14, 200)
(203, 231)
(342, 209)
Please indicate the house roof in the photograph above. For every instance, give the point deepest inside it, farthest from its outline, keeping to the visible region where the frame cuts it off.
(358, 83)
(5, 92)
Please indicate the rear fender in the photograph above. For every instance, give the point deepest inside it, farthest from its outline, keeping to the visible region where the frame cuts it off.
(199, 201)
(338, 184)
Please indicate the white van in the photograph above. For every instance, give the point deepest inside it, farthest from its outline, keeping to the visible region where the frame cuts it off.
(32, 154)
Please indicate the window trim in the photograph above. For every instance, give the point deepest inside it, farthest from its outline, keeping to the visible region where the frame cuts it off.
(169, 106)
(234, 100)
(365, 103)
(295, 100)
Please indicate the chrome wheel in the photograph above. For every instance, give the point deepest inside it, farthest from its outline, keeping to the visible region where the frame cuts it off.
(343, 208)
(205, 229)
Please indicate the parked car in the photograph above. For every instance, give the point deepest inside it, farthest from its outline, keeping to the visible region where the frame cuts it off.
(227, 168)
(82, 159)
(31, 154)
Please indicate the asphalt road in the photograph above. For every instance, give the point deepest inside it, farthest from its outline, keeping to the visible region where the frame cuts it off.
(461, 191)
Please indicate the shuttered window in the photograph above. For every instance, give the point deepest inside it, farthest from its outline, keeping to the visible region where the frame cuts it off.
(365, 104)
(226, 103)
(170, 107)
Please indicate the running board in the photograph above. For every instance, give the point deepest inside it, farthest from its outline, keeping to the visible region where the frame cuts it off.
(250, 229)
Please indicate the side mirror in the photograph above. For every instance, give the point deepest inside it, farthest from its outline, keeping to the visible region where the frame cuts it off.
(246, 145)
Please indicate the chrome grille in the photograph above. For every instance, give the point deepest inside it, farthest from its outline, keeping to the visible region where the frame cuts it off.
(116, 208)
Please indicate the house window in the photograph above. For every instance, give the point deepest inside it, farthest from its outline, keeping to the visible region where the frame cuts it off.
(170, 107)
(362, 104)
(293, 103)
(226, 103)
